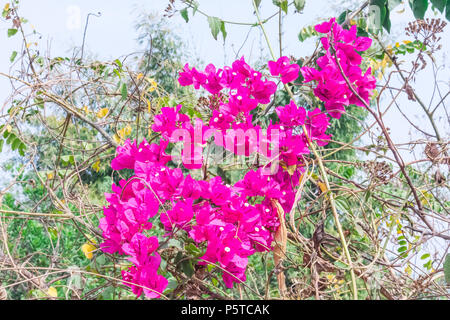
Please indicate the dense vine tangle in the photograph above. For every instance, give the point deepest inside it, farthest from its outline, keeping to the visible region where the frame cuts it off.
(236, 221)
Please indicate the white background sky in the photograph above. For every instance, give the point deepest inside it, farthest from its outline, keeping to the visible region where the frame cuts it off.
(60, 24)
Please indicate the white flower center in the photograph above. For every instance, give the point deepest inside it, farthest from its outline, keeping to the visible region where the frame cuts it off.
(239, 97)
(246, 204)
(221, 229)
(227, 249)
(267, 210)
(256, 229)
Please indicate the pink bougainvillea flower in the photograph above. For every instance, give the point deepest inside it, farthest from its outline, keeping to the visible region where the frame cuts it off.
(232, 222)
(189, 77)
(213, 79)
(144, 278)
(290, 115)
(169, 120)
(125, 156)
(179, 216)
(282, 67)
(332, 87)
(140, 248)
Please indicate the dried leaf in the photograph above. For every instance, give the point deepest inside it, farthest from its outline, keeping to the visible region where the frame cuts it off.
(280, 247)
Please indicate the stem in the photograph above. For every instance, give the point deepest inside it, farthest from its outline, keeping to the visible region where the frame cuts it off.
(323, 174)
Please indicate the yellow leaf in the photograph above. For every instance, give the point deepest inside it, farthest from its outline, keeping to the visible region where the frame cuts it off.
(322, 186)
(102, 113)
(52, 292)
(86, 110)
(397, 44)
(279, 250)
(330, 277)
(149, 106)
(153, 84)
(50, 175)
(6, 8)
(28, 45)
(408, 269)
(116, 138)
(96, 166)
(127, 130)
(87, 249)
(124, 132)
(139, 76)
(406, 41)
(291, 169)
(8, 128)
(352, 22)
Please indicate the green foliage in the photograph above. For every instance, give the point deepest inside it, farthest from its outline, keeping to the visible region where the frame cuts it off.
(447, 268)
(419, 7)
(217, 25)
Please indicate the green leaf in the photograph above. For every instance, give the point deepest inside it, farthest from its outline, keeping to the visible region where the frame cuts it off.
(447, 10)
(257, 2)
(447, 257)
(124, 91)
(402, 249)
(215, 26)
(21, 150)
(15, 144)
(194, 5)
(187, 267)
(13, 56)
(119, 63)
(282, 4)
(387, 21)
(299, 4)
(1, 144)
(11, 32)
(340, 265)
(222, 29)
(343, 16)
(377, 14)
(428, 265)
(419, 7)
(439, 4)
(11, 138)
(426, 255)
(184, 14)
(392, 4)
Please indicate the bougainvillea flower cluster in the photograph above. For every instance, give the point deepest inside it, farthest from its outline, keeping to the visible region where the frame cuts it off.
(230, 222)
(342, 45)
